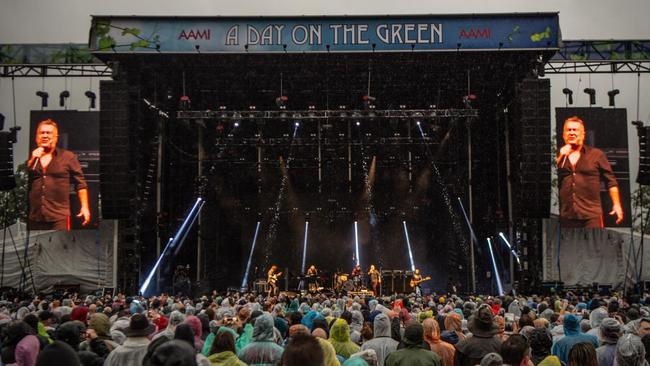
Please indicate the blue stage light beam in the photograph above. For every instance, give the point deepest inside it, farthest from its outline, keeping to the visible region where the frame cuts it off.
(244, 282)
(304, 247)
(408, 245)
(174, 241)
(494, 266)
(505, 240)
(356, 242)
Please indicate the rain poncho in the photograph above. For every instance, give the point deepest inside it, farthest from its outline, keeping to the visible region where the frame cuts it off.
(340, 339)
(226, 358)
(328, 352)
(630, 351)
(382, 343)
(356, 326)
(595, 318)
(262, 350)
(445, 350)
(245, 337)
(571, 337)
(308, 320)
(207, 346)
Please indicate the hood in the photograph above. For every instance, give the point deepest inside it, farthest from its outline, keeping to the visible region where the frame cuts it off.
(340, 331)
(381, 326)
(100, 323)
(431, 330)
(372, 304)
(263, 329)
(453, 322)
(195, 324)
(308, 320)
(357, 320)
(571, 325)
(596, 317)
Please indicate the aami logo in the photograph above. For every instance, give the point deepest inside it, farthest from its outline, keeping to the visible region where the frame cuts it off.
(195, 34)
(475, 33)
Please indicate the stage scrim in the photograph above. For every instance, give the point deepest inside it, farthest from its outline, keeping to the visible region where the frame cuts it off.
(606, 129)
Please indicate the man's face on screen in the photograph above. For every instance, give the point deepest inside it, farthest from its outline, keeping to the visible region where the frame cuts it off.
(47, 137)
(574, 134)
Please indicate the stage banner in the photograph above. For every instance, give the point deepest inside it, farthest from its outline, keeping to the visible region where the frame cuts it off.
(79, 133)
(116, 34)
(606, 129)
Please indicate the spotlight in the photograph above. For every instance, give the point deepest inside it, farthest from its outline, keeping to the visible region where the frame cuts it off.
(612, 94)
(592, 95)
(297, 123)
(569, 94)
(92, 96)
(184, 103)
(44, 95)
(62, 97)
(281, 101)
(236, 124)
(358, 123)
(417, 123)
(468, 99)
(368, 101)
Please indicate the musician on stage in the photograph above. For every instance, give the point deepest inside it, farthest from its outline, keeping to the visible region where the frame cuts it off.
(581, 169)
(356, 277)
(312, 271)
(272, 279)
(375, 279)
(415, 282)
(312, 278)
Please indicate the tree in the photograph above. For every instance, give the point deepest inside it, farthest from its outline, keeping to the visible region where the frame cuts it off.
(13, 203)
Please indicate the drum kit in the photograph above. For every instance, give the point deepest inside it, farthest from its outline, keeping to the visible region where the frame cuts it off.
(343, 282)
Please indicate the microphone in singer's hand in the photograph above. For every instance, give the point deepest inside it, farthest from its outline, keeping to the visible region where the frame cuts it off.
(35, 164)
(563, 161)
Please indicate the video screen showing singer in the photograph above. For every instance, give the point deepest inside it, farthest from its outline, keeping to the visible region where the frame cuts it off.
(580, 171)
(51, 172)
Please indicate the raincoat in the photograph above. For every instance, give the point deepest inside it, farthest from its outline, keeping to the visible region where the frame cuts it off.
(262, 350)
(382, 343)
(340, 339)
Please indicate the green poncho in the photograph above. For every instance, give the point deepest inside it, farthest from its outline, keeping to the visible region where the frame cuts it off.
(340, 339)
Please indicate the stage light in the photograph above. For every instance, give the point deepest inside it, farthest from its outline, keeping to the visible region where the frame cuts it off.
(408, 245)
(236, 124)
(568, 94)
(281, 101)
(356, 242)
(468, 100)
(184, 103)
(177, 240)
(92, 97)
(62, 97)
(358, 123)
(612, 95)
(592, 95)
(244, 282)
(512, 251)
(297, 124)
(304, 248)
(494, 266)
(43, 95)
(417, 123)
(505, 240)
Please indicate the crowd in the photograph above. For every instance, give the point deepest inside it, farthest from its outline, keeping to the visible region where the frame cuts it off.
(246, 329)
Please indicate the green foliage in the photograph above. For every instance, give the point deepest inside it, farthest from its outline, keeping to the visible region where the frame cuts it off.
(14, 202)
(536, 37)
(640, 208)
(7, 55)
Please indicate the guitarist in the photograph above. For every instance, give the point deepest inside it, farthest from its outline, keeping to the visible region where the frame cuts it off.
(272, 279)
(417, 279)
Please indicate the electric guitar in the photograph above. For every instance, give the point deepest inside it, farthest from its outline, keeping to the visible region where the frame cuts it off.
(414, 283)
(274, 278)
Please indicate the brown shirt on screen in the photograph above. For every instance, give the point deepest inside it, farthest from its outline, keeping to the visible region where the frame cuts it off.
(49, 193)
(580, 188)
